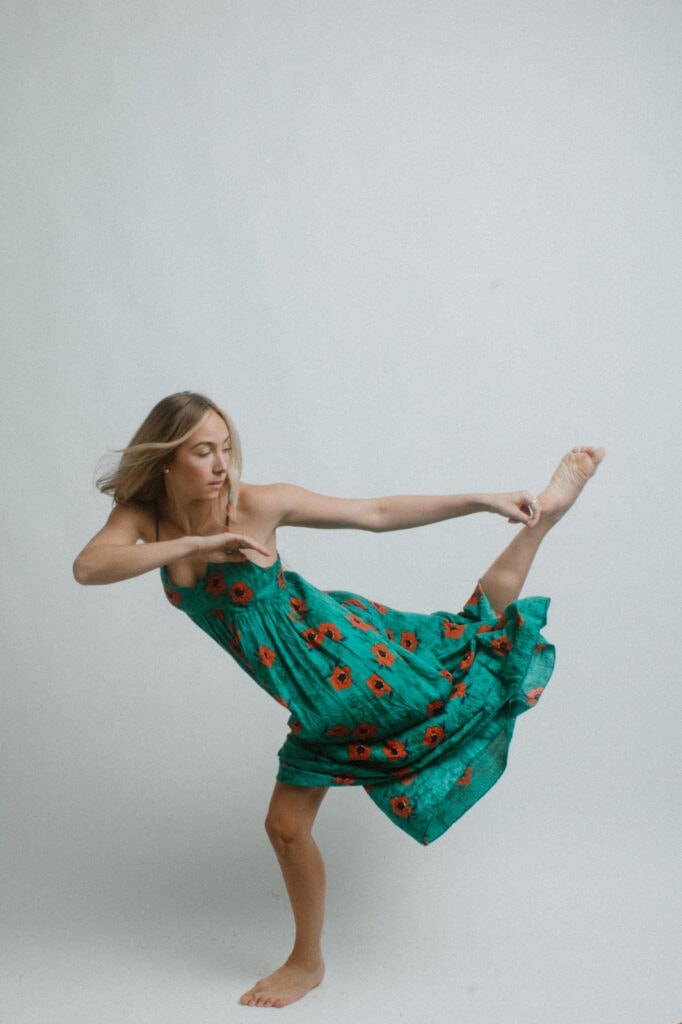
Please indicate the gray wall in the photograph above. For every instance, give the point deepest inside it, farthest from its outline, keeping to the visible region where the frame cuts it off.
(412, 247)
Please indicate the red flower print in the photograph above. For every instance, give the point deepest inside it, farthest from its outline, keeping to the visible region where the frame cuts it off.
(295, 726)
(215, 583)
(476, 596)
(266, 656)
(519, 620)
(539, 648)
(341, 678)
(434, 735)
(465, 778)
(405, 774)
(359, 623)
(501, 644)
(390, 634)
(281, 700)
(381, 608)
(298, 605)
(240, 593)
(467, 661)
(329, 630)
(365, 731)
(409, 641)
(458, 690)
(383, 655)
(394, 750)
(435, 708)
(219, 613)
(446, 675)
(533, 696)
(359, 751)
(337, 731)
(400, 806)
(312, 638)
(280, 579)
(355, 603)
(453, 630)
(344, 780)
(173, 596)
(236, 644)
(378, 686)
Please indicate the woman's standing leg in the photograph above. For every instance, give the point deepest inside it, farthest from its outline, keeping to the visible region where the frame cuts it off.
(289, 824)
(504, 579)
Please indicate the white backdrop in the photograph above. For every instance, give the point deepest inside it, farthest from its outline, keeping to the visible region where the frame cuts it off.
(412, 247)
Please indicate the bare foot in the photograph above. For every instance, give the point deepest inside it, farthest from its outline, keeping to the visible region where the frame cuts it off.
(571, 475)
(289, 983)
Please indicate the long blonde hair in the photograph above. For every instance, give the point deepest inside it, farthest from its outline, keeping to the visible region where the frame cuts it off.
(138, 477)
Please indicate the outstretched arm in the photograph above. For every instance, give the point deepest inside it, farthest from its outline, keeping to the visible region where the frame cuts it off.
(298, 507)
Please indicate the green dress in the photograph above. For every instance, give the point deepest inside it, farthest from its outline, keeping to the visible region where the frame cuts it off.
(418, 709)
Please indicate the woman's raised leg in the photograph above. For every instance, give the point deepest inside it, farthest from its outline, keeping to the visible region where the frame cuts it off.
(504, 579)
(289, 824)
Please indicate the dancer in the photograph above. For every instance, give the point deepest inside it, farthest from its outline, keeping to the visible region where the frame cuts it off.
(417, 708)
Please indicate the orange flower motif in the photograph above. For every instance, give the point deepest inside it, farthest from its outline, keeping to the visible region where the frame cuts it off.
(173, 596)
(378, 686)
(453, 630)
(405, 774)
(533, 696)
(266, 656)
(447, 675)
(215, 583)
(236, 644)
(240, 593)
(434, 735)
(409, 641)
(355, 603)
(401, 806)
(435, 708)
(394, 750)
(218, 613)
(365, 731)
(390, 634)
(312, 638)
(329, 630)
(501, 644)
(465, 779)
(476, 596)
(381, 608)
(295, 726)
(344, 780)
(281, 700)
(280, 578)
(519, 620)
(298, 605)
(337, 731)
(359, 751)
(458, 690)
(539, 648)
(383, 655)
(341, 677)
(467, 661)
(359, 623)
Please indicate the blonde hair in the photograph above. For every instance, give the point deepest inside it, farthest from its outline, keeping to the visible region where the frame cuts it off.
(138, 477)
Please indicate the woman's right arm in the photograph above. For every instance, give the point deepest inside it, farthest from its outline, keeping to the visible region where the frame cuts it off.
(114, 553)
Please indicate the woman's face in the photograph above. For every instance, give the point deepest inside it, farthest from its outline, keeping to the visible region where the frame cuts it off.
(200, 465)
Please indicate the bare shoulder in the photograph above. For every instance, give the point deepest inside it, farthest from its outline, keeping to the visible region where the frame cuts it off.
(127, 524)
(264, 502)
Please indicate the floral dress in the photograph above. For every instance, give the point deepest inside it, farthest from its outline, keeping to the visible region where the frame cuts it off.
(417, 708)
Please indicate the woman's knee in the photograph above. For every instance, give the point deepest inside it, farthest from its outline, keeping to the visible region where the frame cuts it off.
(286, 831)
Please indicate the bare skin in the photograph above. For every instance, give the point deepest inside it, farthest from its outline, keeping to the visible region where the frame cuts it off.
(293, 809)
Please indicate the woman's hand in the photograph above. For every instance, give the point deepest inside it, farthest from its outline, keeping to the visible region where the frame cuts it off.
(516, 507)
(226, 547)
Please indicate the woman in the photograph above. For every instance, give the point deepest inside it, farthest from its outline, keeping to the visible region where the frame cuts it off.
(419, 709)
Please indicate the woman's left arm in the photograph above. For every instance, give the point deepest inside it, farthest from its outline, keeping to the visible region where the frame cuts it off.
(296, 506)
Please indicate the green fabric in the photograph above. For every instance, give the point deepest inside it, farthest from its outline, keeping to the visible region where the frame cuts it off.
(419, 709)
